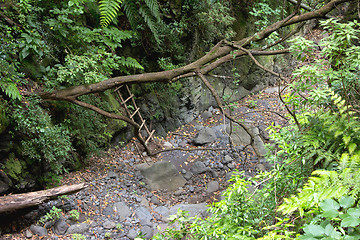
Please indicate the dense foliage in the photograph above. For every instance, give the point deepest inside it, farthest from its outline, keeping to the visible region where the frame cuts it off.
(54, 45)
(313, 190)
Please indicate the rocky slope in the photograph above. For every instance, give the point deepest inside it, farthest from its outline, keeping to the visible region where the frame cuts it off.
(130, 193)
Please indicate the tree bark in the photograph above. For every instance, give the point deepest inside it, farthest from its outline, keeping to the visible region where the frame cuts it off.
(18, 201)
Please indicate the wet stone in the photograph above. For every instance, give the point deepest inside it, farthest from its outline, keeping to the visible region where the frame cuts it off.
(38, 230)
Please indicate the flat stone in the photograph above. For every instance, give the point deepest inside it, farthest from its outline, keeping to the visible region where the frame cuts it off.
(206, 135)
(212, 186)
(109, 224)
(147, 231)
(163, 175)
(193, 209)
(144, 216)
(121, 210)
(206, 115)
(199, 167)
(164, 212)
(78, 228)
(38, 230)
(132, 234)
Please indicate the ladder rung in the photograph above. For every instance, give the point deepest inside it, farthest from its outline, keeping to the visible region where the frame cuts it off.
(132, 115)
(143, 123)
(116, 89)
(150, 136)
(123, 103)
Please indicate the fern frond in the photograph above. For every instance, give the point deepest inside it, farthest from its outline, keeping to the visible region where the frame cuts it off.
(109, 9)
(149, 19)
(153, 5)
(10, 90)
(131, 11)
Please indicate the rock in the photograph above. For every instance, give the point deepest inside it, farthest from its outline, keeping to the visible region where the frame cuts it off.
(78, 228)
(163, 175)
(231, 165)
(28, 233)
(147, 231)
(155, 200)
(206, 135)
(239, 135)
(164, 212)
(144, 216)
(205, 115)
(4, 182)
(212, 187)
(188, 175)
(199, 167)
(261, 167)
(144, 202)
(108, 211)
(132, 234)
(213, 173)
(161, 228)
(60, 227)
(111, 175)
(38, 230)
(121, 210)
(109, 224)
(191, 189)
(167, 145)
(227, 159)
(259, 146)
(273, 90)
(193, 209)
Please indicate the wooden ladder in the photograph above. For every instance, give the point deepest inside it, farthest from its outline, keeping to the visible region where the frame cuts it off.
(133, 111)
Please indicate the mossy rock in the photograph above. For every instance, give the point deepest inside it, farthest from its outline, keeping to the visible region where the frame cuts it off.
(15, 168)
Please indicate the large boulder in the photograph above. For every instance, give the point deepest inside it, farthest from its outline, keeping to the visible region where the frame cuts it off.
(162, 175)
(206, 135)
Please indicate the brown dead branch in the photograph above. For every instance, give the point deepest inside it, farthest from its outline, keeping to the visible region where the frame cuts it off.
(24, 200)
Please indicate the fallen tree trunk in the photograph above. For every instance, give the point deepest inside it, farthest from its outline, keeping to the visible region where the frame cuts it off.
(24, 200)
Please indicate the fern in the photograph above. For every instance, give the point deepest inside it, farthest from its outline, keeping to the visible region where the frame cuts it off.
(109, 9)
(153, 6)
(131, 11)
(10, 90)
(149, 19)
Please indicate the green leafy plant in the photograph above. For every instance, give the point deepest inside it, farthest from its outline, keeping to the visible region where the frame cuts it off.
(336, 220)
(74, 214)
(54, 214)
(77, 236)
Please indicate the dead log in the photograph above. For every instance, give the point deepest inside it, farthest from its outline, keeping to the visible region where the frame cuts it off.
(30, 199)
